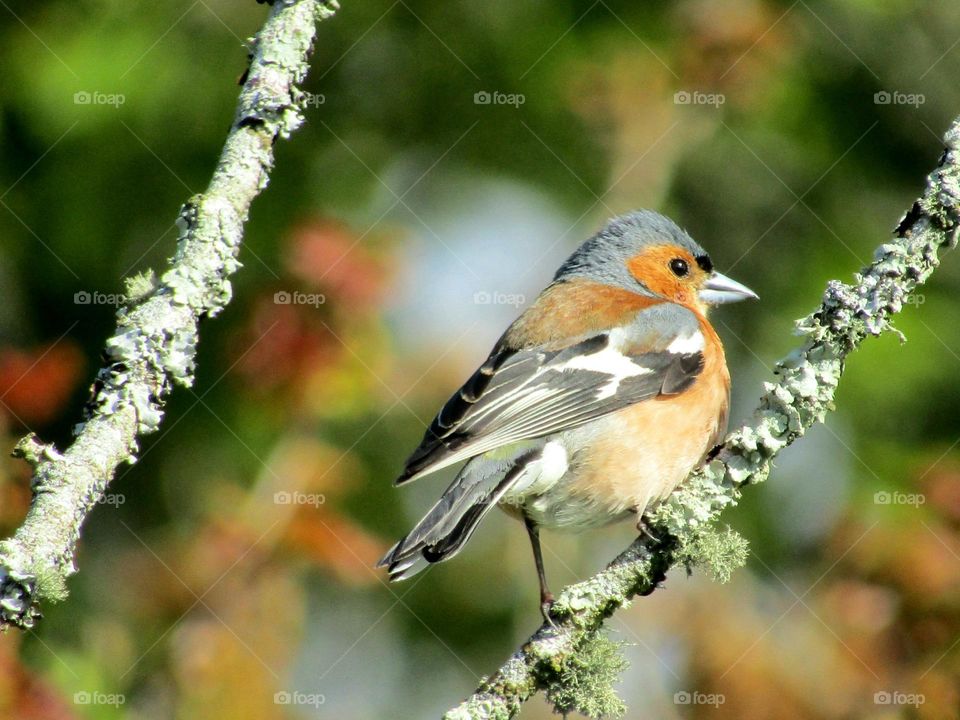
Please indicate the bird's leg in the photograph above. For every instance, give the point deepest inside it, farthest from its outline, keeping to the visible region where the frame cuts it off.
(546, 597)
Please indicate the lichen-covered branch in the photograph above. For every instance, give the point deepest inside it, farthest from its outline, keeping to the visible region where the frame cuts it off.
(800, 396)
(155, 342)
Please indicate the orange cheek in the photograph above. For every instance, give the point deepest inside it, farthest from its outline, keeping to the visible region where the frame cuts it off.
(651, 270)
(682, 295)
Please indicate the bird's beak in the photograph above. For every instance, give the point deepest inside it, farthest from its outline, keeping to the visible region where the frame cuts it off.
(719, 289)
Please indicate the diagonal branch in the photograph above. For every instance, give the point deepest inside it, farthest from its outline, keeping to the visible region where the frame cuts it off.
(156, 337)
(801, 395)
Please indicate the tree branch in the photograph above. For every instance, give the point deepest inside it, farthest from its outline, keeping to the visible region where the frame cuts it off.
(155, 342)
(805, 384)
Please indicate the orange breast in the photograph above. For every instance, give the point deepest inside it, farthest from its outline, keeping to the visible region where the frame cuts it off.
(644, 451)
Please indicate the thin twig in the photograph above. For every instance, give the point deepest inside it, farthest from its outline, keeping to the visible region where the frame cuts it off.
(154, 346)
(801, 395)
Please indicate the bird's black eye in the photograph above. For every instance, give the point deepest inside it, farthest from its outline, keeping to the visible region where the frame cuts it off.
(679, 267)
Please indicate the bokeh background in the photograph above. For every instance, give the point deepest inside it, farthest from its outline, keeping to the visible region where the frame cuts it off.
(454, 153)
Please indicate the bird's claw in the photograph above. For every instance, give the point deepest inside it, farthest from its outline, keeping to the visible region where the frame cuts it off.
(546, 605)
(644, 530)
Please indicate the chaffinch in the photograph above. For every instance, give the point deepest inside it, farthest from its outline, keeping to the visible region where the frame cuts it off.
(593, 405)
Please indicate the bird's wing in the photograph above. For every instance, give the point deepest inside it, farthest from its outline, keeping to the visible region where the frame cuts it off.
(529, 393)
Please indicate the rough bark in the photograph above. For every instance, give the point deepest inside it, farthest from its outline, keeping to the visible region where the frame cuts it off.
(800, 395)
(155, 342)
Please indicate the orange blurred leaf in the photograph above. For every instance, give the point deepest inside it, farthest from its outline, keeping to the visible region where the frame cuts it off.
(325, 254)
(284, 344)
(336, 543)
(34, 384)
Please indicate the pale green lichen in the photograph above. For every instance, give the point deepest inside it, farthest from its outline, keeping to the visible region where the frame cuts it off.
(481, 707)
(720, 551)
(140, 286)
(154, 346)
(802, 394)
(585, 683)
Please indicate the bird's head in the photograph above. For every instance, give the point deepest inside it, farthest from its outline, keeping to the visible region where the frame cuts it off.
(647, 253)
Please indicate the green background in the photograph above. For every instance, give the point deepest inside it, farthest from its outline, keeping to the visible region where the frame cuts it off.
(425, 221)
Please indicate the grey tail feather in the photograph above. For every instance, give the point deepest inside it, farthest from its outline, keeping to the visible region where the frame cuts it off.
(444, 530)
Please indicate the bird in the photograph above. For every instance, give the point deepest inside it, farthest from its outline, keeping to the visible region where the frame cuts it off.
(592, 407)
